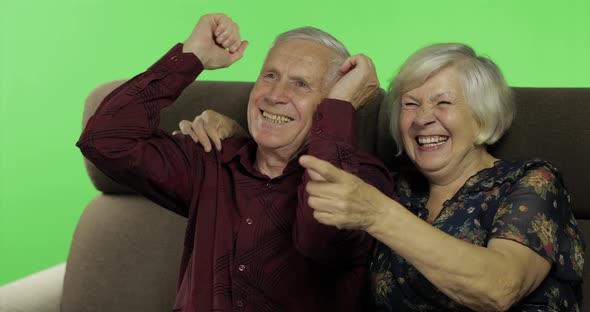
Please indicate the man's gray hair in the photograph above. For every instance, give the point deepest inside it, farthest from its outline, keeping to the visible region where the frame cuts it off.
(319, 36)
(313, 34)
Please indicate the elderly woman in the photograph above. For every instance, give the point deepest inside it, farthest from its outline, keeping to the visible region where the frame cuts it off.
(465, 230)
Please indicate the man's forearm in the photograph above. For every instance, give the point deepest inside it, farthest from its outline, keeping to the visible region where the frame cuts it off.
(123, 140)
(332, 139)
(133, 110)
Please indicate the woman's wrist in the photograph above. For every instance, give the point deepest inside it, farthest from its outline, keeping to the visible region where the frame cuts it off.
(382, 216)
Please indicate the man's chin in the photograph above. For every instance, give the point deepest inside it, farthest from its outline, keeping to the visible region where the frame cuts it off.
(284, 148)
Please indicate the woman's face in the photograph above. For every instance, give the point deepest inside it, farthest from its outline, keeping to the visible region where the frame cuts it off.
(437, 125)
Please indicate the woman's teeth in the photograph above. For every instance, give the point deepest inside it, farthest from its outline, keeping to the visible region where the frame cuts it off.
(432, 140)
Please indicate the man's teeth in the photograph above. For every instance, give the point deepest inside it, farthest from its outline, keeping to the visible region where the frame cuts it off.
(432, 140)
(276, 118)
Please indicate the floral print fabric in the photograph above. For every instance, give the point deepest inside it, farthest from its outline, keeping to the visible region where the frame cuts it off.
(525, 202)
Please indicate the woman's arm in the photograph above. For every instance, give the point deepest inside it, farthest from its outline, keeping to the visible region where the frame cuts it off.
(211, 126)
(483, 279)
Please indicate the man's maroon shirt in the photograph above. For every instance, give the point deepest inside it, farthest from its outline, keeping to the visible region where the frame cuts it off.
(251, 242)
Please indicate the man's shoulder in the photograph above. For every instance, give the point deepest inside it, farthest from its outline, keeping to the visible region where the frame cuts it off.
(233, 147)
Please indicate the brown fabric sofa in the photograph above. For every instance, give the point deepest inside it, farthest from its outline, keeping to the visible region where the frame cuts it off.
(126, 250)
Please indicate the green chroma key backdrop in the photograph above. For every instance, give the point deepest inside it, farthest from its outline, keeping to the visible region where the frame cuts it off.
(53, 53)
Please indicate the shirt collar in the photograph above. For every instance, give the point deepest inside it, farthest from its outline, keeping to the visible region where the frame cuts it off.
(244, 152)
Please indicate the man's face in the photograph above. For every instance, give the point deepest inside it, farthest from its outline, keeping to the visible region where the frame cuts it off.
(286, 94)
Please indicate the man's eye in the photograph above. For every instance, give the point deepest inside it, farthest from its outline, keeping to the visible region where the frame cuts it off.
(409, 104)
(444, 102)
(301, 84)
(270, 76)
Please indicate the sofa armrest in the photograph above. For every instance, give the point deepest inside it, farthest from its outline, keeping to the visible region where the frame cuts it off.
(38, 292)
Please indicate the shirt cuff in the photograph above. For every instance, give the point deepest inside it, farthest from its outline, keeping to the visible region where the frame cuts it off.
(334, 120)
(186, 66)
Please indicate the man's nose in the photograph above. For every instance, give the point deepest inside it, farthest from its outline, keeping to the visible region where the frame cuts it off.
(278, 93)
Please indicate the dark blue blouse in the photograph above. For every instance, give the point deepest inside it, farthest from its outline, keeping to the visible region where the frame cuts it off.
(521, 201)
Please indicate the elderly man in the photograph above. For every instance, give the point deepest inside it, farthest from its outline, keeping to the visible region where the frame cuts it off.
(252, 243)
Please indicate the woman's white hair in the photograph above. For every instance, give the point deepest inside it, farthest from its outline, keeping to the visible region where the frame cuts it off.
(482, 83)
(319, 36)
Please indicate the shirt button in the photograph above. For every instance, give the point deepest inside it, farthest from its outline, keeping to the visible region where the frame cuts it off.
(175, 58)
(318, 130)
(240, 303)
(269, 186)
(241, 268)
(249, 221)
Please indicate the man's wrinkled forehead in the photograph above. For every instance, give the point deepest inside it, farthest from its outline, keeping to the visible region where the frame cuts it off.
(299, 54)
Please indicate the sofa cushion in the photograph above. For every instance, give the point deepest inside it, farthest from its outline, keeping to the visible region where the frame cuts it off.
(124, 256)
(39, 292)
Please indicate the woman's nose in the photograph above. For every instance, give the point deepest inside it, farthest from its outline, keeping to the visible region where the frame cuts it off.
(425, 115)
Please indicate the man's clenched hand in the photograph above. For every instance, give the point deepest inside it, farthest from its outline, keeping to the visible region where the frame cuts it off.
(216, 41)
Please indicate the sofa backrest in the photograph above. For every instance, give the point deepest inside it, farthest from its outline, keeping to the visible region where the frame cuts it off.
(550, 124)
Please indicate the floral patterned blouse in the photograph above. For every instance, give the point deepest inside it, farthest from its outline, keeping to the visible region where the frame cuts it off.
(521, 201)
